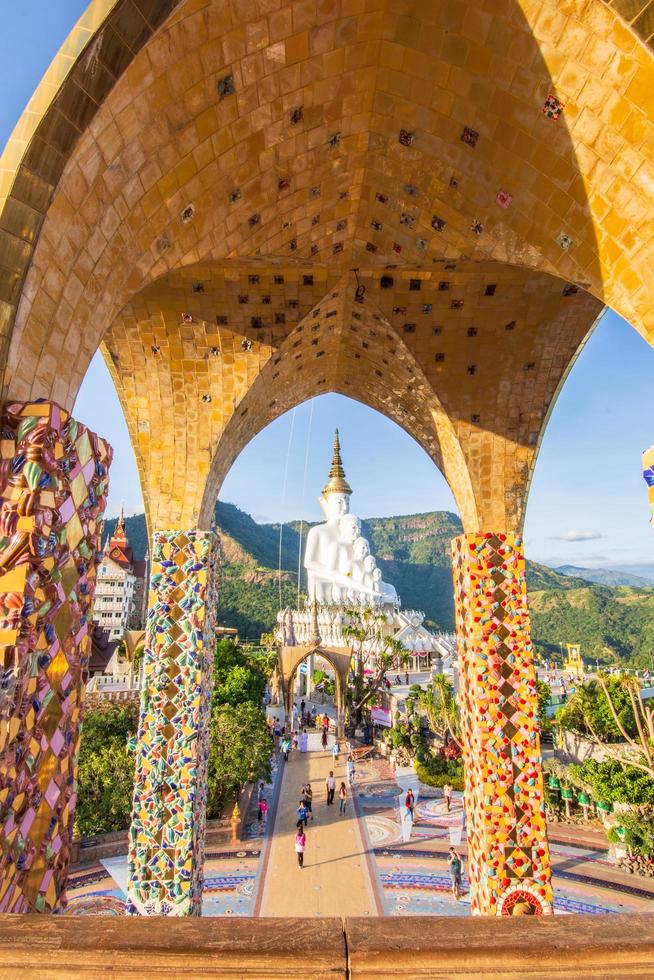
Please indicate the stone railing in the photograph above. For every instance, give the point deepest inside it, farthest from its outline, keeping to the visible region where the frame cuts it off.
(88, 850)
(578, 748)
(264, 949)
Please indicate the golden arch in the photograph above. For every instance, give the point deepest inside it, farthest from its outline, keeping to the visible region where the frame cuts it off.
(340, 659)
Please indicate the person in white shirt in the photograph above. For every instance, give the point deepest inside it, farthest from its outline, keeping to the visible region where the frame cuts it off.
(330, 786)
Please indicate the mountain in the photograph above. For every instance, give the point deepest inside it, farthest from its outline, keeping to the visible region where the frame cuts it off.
(644, 570)
(605, 576)
(611, 623)
(413, 551)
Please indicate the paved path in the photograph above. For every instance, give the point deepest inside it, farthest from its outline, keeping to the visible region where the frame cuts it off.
(335, 880)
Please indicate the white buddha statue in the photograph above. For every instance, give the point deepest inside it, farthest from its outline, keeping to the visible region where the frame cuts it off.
(388, 591)
(323, 554)
(340, 568)
(360, 551)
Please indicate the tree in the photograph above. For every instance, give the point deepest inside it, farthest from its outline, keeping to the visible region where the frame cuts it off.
(544, 695)
(440, 706)
(599, 710)
(241, 684)
(106, 770)
(371, 645)
(629, 717)
(239, 675)
(240, 750)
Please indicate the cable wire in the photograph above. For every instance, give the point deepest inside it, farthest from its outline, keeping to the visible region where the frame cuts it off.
(281, 525)
(304, 494)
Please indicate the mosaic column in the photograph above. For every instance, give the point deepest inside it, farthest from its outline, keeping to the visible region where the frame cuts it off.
(53, 490)
(508, 855)
(166, 848)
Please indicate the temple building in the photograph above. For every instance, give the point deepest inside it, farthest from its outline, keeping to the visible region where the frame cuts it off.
(121, 592)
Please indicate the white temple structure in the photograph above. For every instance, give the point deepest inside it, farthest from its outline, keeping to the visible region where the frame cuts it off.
(342, 577)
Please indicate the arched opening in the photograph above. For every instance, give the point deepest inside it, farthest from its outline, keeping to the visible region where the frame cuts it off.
(241, 233)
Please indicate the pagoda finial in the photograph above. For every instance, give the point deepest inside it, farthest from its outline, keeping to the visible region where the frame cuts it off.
(119, 531)
(337, 482)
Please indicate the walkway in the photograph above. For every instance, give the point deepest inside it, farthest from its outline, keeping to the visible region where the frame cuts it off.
(335, 880)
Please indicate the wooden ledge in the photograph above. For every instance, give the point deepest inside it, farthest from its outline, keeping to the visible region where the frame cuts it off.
(578, 946)
(48, 947)
(123, 948)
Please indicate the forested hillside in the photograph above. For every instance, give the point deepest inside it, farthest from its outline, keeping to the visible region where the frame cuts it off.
(413, 552)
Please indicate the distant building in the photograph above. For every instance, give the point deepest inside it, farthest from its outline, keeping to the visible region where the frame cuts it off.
(102, 650)
(121, 589)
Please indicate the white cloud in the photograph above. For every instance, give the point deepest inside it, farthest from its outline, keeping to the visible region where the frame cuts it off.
(578, 536)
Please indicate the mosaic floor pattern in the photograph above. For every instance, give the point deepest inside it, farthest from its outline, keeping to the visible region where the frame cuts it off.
(410, 879)
(413, 878)
(232, 876)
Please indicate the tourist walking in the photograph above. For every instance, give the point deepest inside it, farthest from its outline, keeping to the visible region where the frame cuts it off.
(342, 799)
(323, 740)
(308, 799)
(263, 806)
(302, 813)
(304, 741)
(351, 770)
(330, 786)
(286, 747)
(300, 844)
(447, 795)
(260, 795)
(336, 750)
(454, 862)
(409, 803)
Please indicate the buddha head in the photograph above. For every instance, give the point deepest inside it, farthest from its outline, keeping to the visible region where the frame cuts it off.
(369, 563)
(350, 527)
(334, 506)
(361, 549)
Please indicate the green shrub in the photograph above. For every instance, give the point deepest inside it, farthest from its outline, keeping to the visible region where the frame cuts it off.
(611, 781)
(400, 736)
(636, 833)
(430, 778)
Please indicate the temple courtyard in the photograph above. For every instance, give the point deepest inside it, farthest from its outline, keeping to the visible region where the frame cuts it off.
(358, 865)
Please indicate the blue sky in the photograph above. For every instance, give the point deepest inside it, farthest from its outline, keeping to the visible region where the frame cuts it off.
(588, 504)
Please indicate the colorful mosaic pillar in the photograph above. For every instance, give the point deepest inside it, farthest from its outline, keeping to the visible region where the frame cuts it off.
(508, 855)
(166, 849)
(53, 490)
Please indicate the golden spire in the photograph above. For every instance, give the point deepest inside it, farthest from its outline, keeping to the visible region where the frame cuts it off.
(337, 482)
(119, 530)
